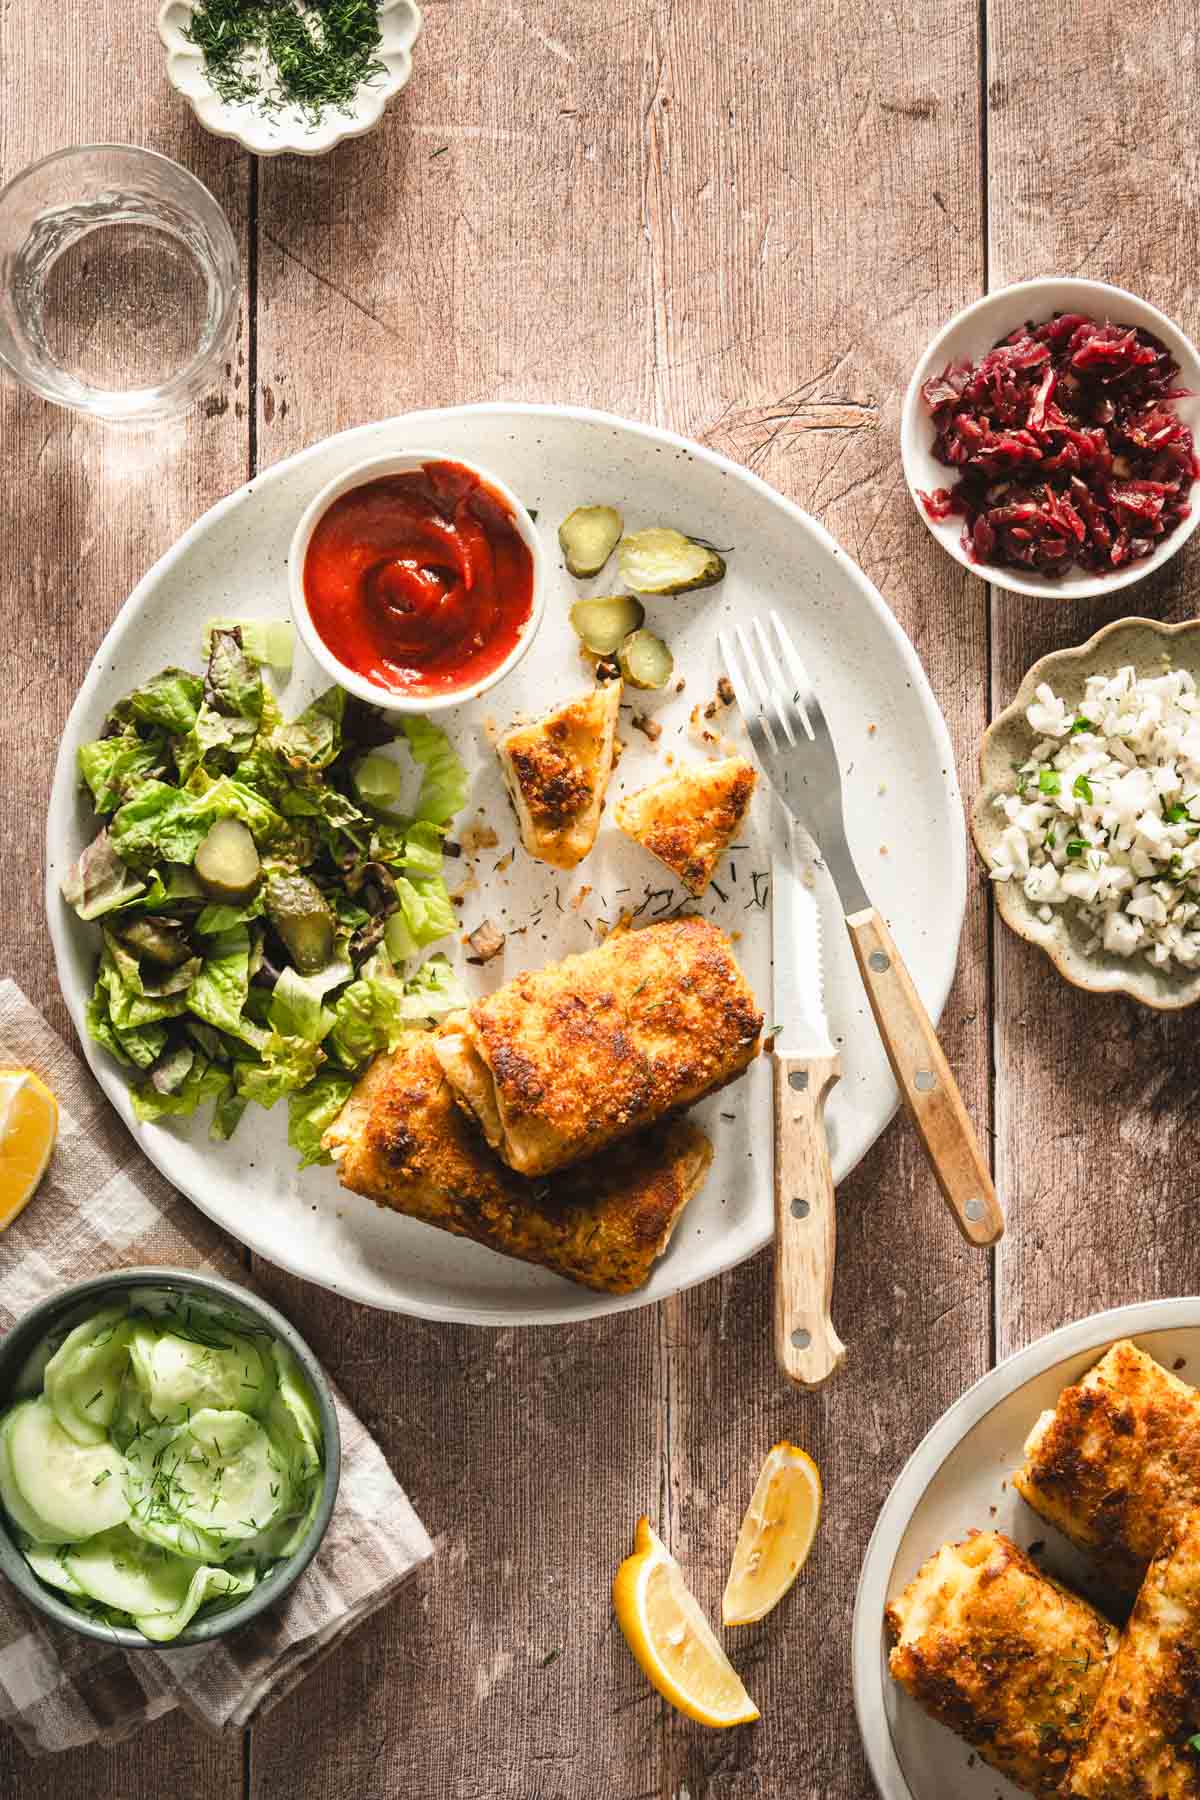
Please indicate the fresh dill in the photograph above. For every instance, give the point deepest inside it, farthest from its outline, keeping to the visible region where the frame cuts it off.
(310, 54)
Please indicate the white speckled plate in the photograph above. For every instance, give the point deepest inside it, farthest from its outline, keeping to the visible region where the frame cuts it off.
(902, 797)
(957, 1479)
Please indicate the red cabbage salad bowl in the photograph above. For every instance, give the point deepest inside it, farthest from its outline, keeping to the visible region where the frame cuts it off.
(1050, 438)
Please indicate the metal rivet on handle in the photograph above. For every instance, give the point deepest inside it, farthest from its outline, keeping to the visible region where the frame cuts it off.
(800, 1209)
(879, 962)
(925, 1080)
(801, 1339)
(974, 1210)
(798, 1079)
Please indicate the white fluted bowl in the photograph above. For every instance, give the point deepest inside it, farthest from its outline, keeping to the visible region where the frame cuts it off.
(288, 131)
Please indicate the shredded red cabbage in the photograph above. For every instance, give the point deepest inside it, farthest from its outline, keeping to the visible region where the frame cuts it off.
(1067, 446)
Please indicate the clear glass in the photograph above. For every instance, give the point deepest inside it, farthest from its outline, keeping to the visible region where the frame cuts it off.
(119, 282)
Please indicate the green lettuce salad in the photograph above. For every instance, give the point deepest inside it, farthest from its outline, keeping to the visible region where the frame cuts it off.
(263, 906)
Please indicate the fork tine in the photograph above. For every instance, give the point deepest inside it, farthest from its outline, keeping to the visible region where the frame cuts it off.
(807, 694)
(755, 725)
(761, 689)
(783, 695)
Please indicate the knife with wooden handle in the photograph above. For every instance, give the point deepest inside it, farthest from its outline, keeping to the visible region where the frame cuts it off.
(795, 747)
(806, 1066)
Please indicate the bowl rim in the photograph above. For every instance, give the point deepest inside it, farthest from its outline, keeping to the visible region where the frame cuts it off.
(1060, 953)
(373, 468)
(22, 1338)
(1065, 288)
(216, 115)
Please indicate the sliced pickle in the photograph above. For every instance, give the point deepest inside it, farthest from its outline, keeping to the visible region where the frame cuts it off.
(300, 914)
(158, 940)
(645, 660)
(226, 863)
(604, 624)
(662, 561)
(588, 537)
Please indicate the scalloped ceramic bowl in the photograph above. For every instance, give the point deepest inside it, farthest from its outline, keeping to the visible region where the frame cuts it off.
(1147, 644)
(288, 131)
(972, 333)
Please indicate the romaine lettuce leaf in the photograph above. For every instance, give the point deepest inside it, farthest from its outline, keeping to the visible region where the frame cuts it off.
(312, 1111)
(444, 780)
(218, 993)
(170, 699)
(314, 739)
(204, 1081)
(297, 1006)
(425, 904)
(113, 767)
(287, 1063)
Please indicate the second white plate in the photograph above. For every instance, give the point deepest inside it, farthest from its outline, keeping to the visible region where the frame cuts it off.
(903, 804)
(956, 1480)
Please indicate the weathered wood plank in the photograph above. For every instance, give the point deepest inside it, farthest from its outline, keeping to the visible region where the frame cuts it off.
(848, 163)
(85, 512)
(1097, 1096)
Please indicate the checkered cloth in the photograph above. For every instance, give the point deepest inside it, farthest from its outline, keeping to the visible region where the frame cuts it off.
(103, 1206)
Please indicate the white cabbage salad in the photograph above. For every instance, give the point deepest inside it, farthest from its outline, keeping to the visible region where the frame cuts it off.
(1106, 814)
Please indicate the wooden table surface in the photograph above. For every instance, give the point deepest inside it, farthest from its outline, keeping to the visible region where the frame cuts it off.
(743, 222)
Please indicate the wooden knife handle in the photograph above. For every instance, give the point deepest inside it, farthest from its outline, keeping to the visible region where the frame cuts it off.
(807, 1348)
(929, 1089)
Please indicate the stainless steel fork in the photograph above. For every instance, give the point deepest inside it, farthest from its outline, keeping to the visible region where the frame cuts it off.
(793, 743)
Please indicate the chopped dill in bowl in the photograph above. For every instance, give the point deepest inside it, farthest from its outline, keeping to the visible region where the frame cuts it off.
(313, 55)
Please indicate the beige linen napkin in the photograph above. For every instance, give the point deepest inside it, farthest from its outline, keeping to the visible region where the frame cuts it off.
(103, 1206)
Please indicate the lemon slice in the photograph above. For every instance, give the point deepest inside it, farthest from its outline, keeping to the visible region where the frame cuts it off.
(672, 1639)
(776, 1536)
(28, 1129)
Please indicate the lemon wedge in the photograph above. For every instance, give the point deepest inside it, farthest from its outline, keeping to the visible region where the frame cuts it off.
(671, 1638)
(776, 1536)
(28, 1129)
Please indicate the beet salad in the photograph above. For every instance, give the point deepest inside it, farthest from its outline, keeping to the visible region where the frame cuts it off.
(1067, 447)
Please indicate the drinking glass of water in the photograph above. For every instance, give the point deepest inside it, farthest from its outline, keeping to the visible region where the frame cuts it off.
(118, 282)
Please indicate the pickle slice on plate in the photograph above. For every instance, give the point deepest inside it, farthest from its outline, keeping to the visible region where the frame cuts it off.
(645, 660)
(226, 863)
(662, 561)
(588, 537)
(604, 624)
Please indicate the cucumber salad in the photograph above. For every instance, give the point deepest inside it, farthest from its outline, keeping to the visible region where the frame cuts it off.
(263, 897)
(166, 1461)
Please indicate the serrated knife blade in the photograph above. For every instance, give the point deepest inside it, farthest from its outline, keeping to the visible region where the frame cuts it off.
(798, 994)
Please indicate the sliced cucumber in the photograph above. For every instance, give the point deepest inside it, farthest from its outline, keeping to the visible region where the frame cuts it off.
(604, 624)
(645, 660)
(83, 1378)
(15, 1505)
(179, 1375)
(118, 1569)
(132, 1416)
(225, 1475)
(206, 1585)
(286, 1537)
(294, 1419)
(662, 561)
(48, 1563)
(155, 1498)
(76, 1489)
(588, 537)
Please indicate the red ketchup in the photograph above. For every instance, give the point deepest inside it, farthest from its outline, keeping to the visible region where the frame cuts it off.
(420, 582)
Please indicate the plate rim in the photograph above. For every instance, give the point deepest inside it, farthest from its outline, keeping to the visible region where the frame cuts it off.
(592, 1306)
(1097, 1330)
